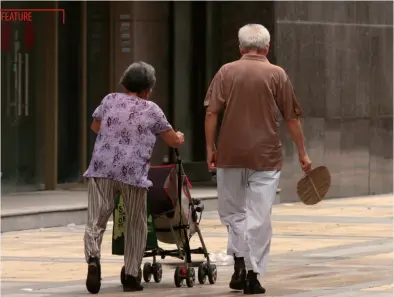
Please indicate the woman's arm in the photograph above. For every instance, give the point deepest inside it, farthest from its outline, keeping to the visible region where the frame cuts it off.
(98, 115)
(172, 138)
(95, 126)
(160, 126)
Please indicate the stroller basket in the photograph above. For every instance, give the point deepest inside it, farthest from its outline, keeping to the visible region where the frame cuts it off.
(173, 218)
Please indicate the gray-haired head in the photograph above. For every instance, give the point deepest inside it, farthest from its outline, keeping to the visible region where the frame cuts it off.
(253, 37)
(138, 77)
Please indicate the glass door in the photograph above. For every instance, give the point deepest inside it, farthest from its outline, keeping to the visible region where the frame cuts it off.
(10, 108)
(22, 106)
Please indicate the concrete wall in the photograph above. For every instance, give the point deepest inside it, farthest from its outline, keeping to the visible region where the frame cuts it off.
(339, 56)
(233, 15)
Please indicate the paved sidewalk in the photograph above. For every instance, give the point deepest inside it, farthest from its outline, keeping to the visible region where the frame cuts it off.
(44, 209)
(340, 248)
(45, 201)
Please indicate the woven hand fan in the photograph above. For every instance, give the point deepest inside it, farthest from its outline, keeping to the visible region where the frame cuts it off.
(313, 187)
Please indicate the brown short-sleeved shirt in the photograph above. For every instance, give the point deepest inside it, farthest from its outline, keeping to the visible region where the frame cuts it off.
(251, 90)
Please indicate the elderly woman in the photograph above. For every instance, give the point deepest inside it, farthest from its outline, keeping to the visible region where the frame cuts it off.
(127, 125)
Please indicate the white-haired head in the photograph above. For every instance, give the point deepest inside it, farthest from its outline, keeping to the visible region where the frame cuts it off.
(254, 37)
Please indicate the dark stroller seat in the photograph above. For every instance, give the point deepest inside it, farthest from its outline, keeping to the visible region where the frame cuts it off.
(168, 214)
(158, 198)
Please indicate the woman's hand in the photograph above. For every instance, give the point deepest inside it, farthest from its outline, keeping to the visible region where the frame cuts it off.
(172, 138)
(181, 137)
(95, 126)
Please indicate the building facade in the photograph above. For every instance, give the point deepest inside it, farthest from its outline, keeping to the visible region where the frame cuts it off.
(339, 57)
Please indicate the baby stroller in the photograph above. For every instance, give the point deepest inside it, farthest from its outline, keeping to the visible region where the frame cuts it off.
(171, 222)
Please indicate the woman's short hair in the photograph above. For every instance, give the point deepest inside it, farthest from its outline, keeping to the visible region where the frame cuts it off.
(253, 36)
(138, 77)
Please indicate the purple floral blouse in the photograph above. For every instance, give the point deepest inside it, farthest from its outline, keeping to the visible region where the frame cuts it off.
(124, 144)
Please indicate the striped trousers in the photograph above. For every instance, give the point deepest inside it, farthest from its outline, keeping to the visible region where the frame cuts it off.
(101, 200)
(245, 199)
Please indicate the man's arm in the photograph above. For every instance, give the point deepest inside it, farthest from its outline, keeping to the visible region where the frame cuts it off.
(291, 113)
(214, 103)
(211, 121)
(295, 130)
(290, 110)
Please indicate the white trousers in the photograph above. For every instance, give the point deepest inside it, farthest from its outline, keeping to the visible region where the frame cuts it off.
(245, 199)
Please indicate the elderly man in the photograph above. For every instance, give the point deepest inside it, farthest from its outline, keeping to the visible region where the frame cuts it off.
(127, 125)
(249, 154)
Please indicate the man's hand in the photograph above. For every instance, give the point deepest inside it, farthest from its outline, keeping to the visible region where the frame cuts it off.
(181, 137)
(305, 162)
(211, 159)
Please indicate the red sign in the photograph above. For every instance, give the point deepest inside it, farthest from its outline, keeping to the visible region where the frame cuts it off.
(29, 35)
(5, 36)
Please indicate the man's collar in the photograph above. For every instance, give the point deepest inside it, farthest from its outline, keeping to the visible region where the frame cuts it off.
(254, 57)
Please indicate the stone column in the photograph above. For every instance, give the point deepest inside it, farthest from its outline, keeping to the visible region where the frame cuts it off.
(140, 31)
(182, 69)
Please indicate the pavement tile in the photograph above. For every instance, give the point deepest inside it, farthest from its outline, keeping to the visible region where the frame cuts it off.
(368, 200)
(338, 211)
(330, 229)
(290, 245)
(52, 271)
(335, 280)
(385, 288)
(384, 259)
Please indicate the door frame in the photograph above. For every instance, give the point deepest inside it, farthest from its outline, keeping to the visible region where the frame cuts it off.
(77, 184)
(83, 120)
(51, 102)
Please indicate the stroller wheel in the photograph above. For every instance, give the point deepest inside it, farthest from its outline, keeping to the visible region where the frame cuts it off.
(123, 275)
(178, 277)
(190, 277)
(202, 273)
(147, 272)
(212, 274)
(157, 272)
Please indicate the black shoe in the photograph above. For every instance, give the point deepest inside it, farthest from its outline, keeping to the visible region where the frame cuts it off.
(132, 284)
(93, 280)
(239, 275)
(238, 279)
(252, 285)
